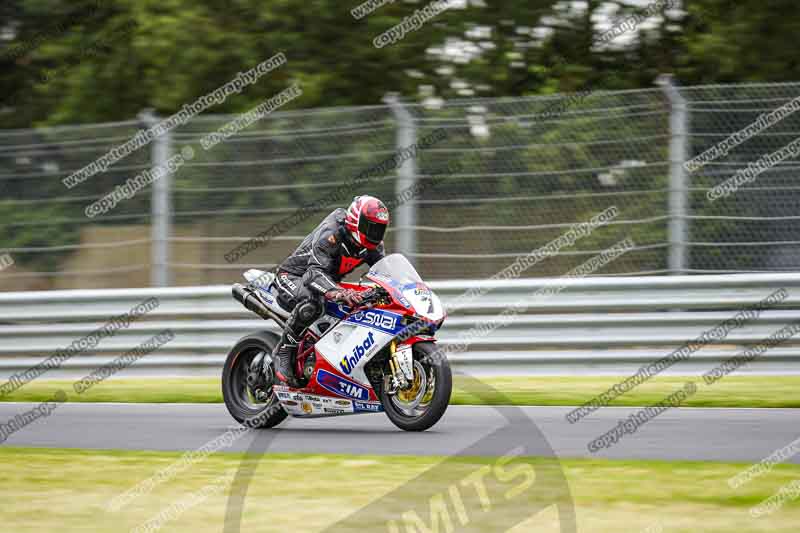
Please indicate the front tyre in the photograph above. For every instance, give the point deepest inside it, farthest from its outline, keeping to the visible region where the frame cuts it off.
(421, 406)
(251, 401)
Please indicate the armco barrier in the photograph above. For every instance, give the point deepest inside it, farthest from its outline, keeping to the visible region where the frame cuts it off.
(592, 326)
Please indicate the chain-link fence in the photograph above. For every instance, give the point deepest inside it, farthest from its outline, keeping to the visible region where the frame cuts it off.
(500, 178)
(757, 228)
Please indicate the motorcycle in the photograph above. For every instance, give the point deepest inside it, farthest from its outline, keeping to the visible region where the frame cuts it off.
(379, 356)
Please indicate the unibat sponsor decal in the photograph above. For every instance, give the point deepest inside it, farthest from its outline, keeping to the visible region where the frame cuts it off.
(349, 362)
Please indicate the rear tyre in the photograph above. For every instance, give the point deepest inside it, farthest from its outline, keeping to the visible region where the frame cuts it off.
(430, 403)
(251, 402)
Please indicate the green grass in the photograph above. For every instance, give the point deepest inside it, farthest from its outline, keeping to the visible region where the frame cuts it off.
(69, 490)
(733, 391)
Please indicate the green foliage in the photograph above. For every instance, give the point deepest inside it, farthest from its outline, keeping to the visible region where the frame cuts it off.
(89, 61)
(181, 49)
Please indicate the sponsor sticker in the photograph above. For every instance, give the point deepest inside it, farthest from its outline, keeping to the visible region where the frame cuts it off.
(312, 398)
(367, 407)
(383, 321)
(341, 386)
(307, 409)
(349, 362)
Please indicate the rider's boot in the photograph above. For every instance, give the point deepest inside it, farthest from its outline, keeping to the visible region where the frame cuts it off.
(284, 356)
(285, 353)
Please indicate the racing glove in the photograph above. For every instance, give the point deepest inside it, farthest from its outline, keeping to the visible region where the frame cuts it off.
(349, 297)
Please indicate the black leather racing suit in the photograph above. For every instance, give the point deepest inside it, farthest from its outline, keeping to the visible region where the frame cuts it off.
(324, 257)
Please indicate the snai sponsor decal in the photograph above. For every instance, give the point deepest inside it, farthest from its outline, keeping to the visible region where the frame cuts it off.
(341, 386)
(380, 320)
(349, 362)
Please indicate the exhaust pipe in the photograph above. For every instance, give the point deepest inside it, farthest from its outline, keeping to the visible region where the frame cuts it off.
(252, 302)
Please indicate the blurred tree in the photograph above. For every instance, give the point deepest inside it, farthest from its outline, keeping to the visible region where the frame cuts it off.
(181, 49)
(740, 41)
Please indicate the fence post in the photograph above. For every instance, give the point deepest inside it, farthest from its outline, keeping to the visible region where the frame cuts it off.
(678, 177)
(405, 215)
(160, 206)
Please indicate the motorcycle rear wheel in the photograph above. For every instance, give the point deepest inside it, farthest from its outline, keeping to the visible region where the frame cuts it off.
(240, 397)
(434, 400)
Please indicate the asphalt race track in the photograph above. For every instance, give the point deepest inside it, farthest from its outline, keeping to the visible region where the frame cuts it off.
(745, 435)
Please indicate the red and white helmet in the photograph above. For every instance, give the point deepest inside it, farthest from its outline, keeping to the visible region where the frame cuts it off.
(367, 219)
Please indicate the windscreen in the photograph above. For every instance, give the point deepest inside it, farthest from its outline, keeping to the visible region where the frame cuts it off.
(397, 268)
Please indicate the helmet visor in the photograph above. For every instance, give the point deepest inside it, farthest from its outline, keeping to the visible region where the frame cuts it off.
(372, 231)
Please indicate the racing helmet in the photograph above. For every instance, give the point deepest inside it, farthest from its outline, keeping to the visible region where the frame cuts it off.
(366, 220)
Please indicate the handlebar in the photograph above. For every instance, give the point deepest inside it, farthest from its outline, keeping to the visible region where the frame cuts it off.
(371, 296)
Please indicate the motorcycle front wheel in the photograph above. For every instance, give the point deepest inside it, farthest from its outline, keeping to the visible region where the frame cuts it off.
(249, 397)
(422, 405)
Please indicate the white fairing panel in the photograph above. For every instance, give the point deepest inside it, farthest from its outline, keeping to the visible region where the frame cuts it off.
(348, 347)
(425, 303)
(263, 281)
(259, 278)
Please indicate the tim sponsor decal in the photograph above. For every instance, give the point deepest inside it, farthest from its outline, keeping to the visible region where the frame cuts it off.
(349, 362)
(341, 386)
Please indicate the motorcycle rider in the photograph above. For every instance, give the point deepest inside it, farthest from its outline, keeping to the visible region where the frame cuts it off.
(310, 275)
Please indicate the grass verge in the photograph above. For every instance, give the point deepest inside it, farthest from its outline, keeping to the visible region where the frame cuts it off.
(69, 490)
(733, 391)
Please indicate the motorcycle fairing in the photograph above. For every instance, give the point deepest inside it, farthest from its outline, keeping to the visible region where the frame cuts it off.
(348, 347)
(308, 405)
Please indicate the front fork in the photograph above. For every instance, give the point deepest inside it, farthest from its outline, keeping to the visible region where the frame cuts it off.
(401, 363)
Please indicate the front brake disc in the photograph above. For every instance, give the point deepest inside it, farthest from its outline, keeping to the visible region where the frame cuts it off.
(410, 398)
